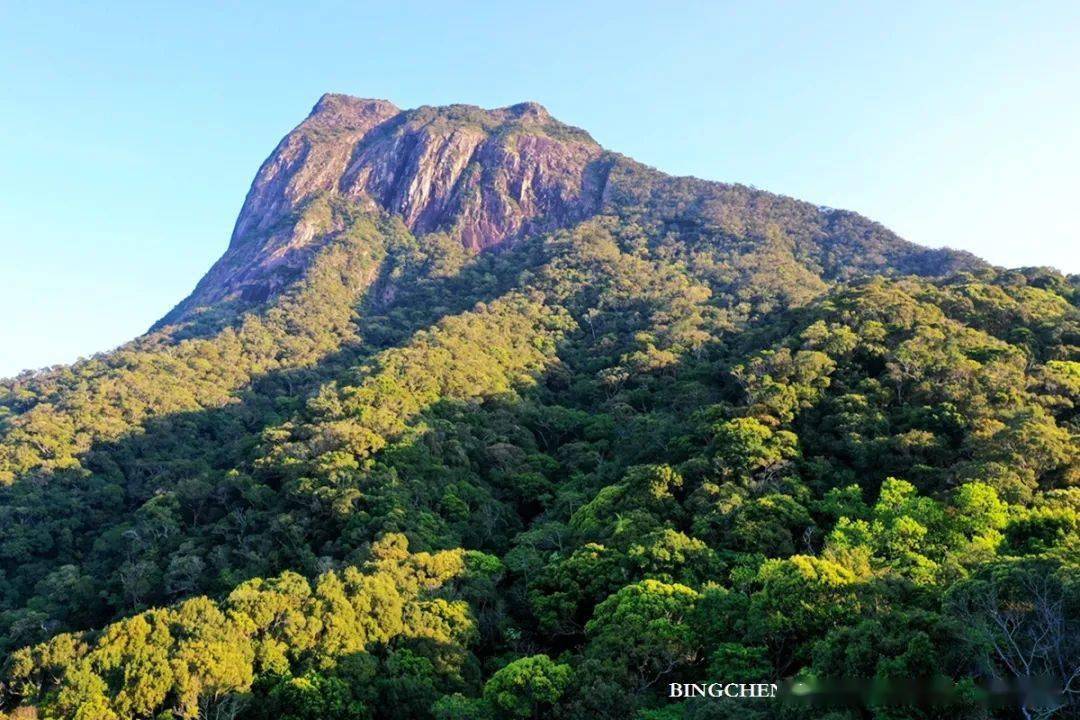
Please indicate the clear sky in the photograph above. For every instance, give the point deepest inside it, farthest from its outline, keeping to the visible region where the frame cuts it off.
(129, 132)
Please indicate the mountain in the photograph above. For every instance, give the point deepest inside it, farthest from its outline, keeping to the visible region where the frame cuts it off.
(490, 177)
(477, 419)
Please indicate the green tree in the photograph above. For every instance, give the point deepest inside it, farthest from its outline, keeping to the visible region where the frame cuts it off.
(527, 688)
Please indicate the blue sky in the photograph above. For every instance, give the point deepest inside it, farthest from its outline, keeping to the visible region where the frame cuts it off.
(129, 132)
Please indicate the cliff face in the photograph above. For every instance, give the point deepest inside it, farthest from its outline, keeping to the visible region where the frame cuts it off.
(483, 176)
(309, 160)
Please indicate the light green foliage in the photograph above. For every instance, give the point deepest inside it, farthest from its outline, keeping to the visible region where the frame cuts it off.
(200, 655)
(646, 627)
(527, 688)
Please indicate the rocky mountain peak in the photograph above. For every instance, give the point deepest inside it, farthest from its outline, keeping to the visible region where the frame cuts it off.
(309, 160)
(483, 176)
(487, 177)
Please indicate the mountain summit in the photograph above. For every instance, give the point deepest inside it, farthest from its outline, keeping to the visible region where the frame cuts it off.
(483, 176)
(490, 177)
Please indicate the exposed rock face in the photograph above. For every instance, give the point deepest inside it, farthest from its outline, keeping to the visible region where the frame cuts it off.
(484, 176)
(309, 160)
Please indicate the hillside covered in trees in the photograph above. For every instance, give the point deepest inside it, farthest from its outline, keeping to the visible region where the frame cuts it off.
(476, 419)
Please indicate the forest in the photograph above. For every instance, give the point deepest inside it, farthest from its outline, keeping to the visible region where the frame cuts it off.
(682, 441)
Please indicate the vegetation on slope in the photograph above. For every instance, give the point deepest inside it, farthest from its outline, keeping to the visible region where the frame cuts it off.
(547, 482)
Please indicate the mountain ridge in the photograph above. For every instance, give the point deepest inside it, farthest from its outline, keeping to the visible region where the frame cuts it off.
(488, 178)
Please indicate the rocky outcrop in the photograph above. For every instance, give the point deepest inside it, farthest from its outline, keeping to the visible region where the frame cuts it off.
(484, 176)
(308, 161)
(481, 175)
